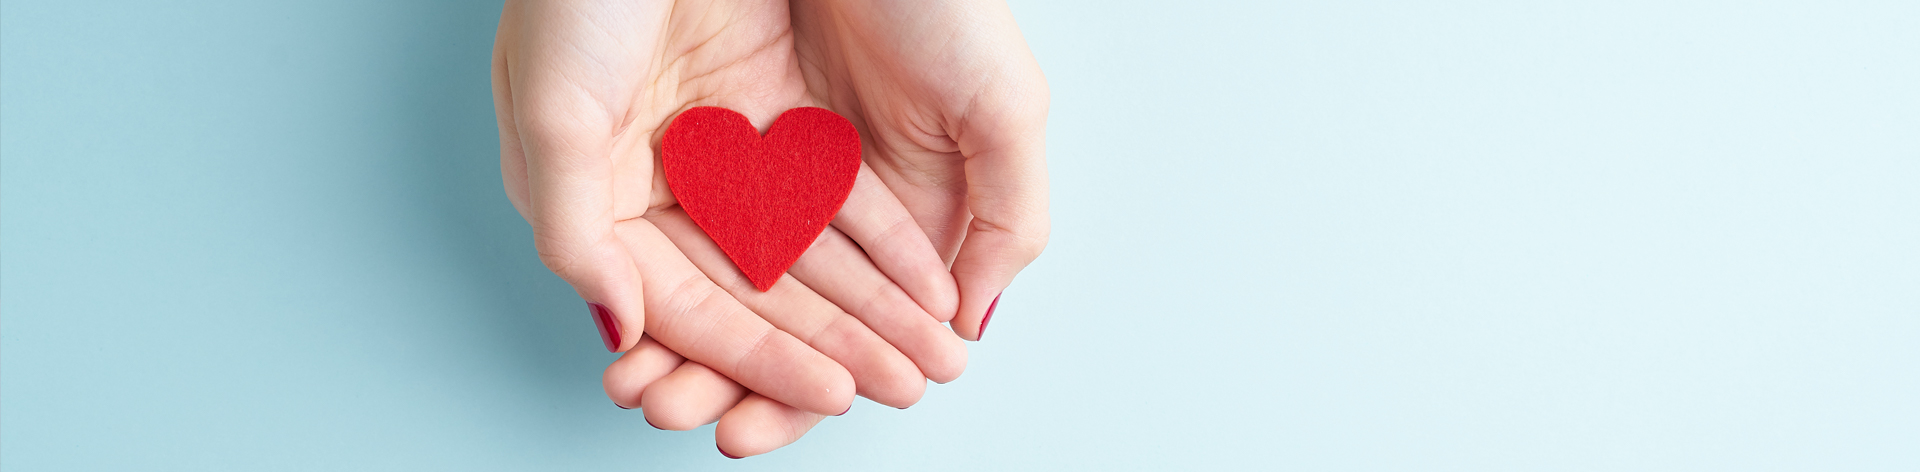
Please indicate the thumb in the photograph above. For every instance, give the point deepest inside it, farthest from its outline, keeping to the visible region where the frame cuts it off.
(565, 141)
(1006, 176)
(570, 204)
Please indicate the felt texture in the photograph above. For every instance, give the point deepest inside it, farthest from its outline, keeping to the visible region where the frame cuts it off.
(763, 199)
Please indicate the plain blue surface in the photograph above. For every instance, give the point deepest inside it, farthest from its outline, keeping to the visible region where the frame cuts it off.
(1340, 236)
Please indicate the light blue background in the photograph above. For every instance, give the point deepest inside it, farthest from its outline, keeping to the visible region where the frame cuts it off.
(1642, 235)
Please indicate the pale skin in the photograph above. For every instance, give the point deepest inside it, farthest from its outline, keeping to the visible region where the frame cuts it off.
(949, 206)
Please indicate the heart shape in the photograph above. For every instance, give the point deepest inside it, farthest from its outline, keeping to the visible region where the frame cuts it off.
(763, 199)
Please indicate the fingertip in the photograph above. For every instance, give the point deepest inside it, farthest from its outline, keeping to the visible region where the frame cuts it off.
(663, 417)
(967, 325)
(667, 421)
(831, 385)
(980, 289)
(628, 326)
(898, 390)
(842, 390)
(613, 301)
(627, 378)
(949, 362)
(678, 412)
(604, 274)
(837, 391)
(932, 287)
(965, 329)
(981, 333)
(975, 331)
(944, 299)
(759, 425)
(963, 333)
(619, 330)
(607, 325)
(691, 396)
(992, 254)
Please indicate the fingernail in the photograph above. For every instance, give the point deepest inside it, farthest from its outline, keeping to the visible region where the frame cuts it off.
(724, 452)
(609, 326)
(650, 423)
(844, 413)
(989, 317)
(623, 407)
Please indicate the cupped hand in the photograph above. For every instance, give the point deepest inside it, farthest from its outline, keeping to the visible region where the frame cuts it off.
(583, 90)
(952, 106)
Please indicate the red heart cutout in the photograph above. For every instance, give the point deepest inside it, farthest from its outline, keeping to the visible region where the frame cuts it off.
(762, 199)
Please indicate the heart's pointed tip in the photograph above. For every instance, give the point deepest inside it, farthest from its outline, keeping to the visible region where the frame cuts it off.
(763, 284)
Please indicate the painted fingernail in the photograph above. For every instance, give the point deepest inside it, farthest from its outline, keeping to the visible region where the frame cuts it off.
(623, 407)
(650, 423)
(844, 413)
(609, 326)
(989, 317)
(724, 452)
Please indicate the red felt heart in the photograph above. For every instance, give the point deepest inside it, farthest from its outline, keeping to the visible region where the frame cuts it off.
(763, 199)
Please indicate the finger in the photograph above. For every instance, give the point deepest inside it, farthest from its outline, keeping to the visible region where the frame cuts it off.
(691, 396)
(874, 218)
(758, 425)
(1003, 139)
(880, 372)
(839, 271)
(565, 134)
(697, 319)
(628, 377)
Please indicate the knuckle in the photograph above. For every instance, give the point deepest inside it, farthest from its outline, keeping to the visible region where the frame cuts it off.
(683, 301)
(894, 230)
(876, 301)
(1027, 241)
(695, 311)
(757, 350)
(569, 254)
(819, 241)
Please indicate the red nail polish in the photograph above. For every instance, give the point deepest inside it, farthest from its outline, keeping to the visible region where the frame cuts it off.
(724, 452)
(844, 413)
(609, 326)
(989, 317)
(650, 423)
(623, 407)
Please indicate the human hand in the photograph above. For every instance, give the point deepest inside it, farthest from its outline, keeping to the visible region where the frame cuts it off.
(583, 90)
(952, 106)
